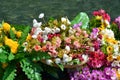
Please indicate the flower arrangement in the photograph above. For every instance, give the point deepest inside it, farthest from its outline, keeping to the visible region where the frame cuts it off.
(91, 46)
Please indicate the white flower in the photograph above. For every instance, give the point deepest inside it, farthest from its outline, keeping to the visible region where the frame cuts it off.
(38, 24)
(57, 30)
(65, 20)
(107, 32)
(67, 59)
(67, 48)
(63, 27)
(108, 24)
(49, 62)
(34, 36)
(47, 30)
(71, 31)
(57, 60)
(114, 64)
(116, 48)
(85, 57)
(34, 21)
(41, 15)
(65, 56)
(92, 49)
(45, 37)
(53, 31)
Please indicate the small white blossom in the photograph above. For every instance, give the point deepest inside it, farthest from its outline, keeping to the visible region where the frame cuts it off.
(108, 24)
(63, 27)
(45, 37)
(47, 30)
(34, 21)
(38, 24)
(85, 57)
(57, 60)
(67, 48)
(53, 31)
(49, 62)
(65, 20)
(57, 30)
(41, 15)
(92, 49)
(65, 56)
(67, 59)
(34, 36)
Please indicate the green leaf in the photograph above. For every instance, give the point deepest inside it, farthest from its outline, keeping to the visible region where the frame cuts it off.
(61, 66)
(81, 17)
(3, 55)
(10, 72)
(39, 55)
(31, 70)
(12, 35)
(11, 57)
(1, 71)
(24, 34)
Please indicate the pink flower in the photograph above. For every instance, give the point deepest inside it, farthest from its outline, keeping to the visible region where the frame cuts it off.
(106, 17)
(68, 40)
(58, 42)
(37, 47)
(76, 44)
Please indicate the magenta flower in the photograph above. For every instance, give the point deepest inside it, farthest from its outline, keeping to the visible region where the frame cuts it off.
(77, 25)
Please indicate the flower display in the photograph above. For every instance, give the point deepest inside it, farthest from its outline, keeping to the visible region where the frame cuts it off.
(88, 48)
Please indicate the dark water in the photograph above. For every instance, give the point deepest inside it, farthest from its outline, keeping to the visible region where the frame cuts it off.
(24, 11)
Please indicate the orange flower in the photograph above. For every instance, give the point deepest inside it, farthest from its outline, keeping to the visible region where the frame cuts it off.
(110, 58)
(118, 58)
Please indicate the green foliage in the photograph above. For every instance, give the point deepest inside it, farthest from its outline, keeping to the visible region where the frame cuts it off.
(9, 73)
(3, 55)
(12, 35)
(50, 70)
(104, 48)
(24, 34)
(32, 70)
(94, 23)
(61, 66)
(38, 55)
(81, 17)
(116, 30)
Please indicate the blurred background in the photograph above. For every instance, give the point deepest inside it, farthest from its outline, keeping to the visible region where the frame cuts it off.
(22, 12)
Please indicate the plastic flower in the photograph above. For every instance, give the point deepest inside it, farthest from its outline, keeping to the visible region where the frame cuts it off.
(6, 27)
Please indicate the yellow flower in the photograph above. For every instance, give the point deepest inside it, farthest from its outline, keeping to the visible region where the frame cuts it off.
(28, 37)
(109, 49)
(60, 53)
(13, 29)
(110, 58)
(98, 17)
(6, 27)
(118, 74)
(118, 58)
(111, 40)
(18, 34)
(12, 44)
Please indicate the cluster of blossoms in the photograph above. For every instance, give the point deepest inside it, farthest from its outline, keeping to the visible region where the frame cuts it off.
(63, 42)
(69, 44)
(117, 21)
(104, 52)
(4, 37)
(92, 74)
